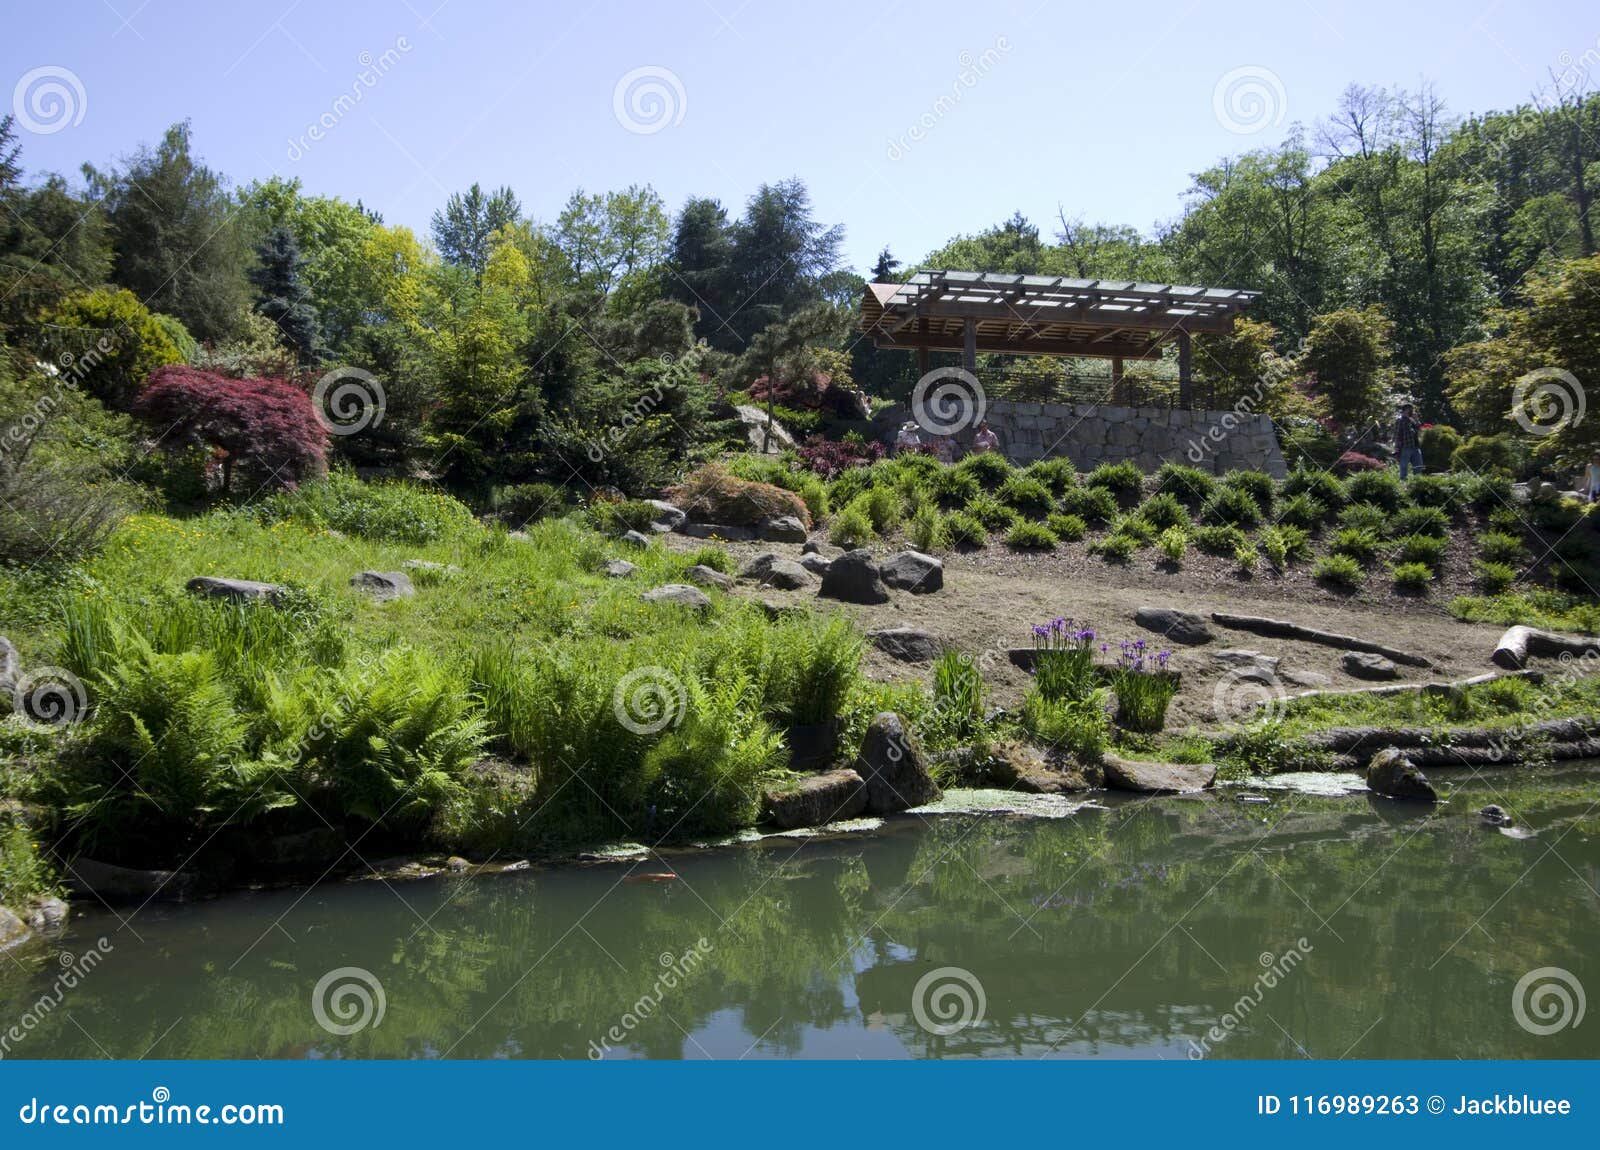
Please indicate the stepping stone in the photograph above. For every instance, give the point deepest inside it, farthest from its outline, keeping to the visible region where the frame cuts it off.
(908, 644)
(816, 564)
(238, 590)
(618, 568)
(384, 585)
(782, 529)
(773, 570)
(913, 571)
(635, 539)
(708, 577)
(1307, 678)
(1247, 664)
(817, 799)
(1365, 665)
(1179, 626)
(678, 594)
(1158, 778)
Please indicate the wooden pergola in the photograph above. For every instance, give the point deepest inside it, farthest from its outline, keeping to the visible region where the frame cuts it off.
(969, 312)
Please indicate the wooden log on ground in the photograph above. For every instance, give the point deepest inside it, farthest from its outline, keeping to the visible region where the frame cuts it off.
(1433, 688)
(1500, 755)
(1283, 629)
(1355, 740)
(1519, 643)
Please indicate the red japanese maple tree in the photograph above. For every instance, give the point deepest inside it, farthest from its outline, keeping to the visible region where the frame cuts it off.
(267, 427)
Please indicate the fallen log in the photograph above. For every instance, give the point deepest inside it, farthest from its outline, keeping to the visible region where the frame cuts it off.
(1503, 755)
(1351, 740)
(1283, 629)
(1517, 644)
(1433, 688)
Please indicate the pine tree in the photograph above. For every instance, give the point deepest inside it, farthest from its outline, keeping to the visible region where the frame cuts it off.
(279, 279)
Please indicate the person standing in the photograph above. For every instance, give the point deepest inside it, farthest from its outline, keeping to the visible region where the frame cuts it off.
(908, 439)
(1591, 478)
(985, 440)
(1408, 441)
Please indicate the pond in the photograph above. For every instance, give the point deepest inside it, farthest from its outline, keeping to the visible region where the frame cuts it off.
(1210, 926)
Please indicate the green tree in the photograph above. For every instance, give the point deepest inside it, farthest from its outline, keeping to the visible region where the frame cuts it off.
(110, 343)
(464, 227)
(282, 297)
(1348, 360)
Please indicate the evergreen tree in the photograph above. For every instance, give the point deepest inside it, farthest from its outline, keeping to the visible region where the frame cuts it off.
(281, 295)
(462, 230)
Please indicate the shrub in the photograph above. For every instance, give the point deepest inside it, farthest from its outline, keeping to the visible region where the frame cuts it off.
(1381, 488)
(1231, 506)
(1079, 727)
(1143, 687)
(392, 512)
(926, 530)
(1487, 491)
(1059, 475)
(1091, 504)
(1285, 543)
(1172, 543)
(1359, 545)
(1114, 548)
(1029, 497)
(1163, 510)
(1425, 549)
(965, 530)
(1485, 453)
(713, 494)
(1505, 520)
(1323, 486)
(1124, 480)
(1067, 528)
(884, 507)
(989, 511)
(1337, 571)
(618, 516)
(1190, 485)
(711, 556)
(1439, 442)
(1063, 660)
(953, 487)
(831, 458)
(266, 428)
(1498, 547)
(988, 469)
(521, 503)
(852, 526)
(1223, 540)
(1031, 537)
(1412, 576)
(1354, 463)
(1440, 491)
(1141, 531)
(1245, 556)
(1363, 517)
(958, 695)
(1494, 577)
(1431, 521)
(1258, 483)
(1275, 548)
(1304, 511)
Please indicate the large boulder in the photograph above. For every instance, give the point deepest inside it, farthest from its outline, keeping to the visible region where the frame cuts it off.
(668, 517)
(892, 764)
(48, 914)
(1366, 665)
(680, 595)
(1391, 774)
(773, 570)
(913, 571)
(1178, 626)
(727, 532)
(781, 529)
(816, 799)
(116, 884)
(238, 590)
(384, 585)
(13, 931)
(1158, 778)
(908, 644)
(755, 423)
(707, 577)
(854, 578)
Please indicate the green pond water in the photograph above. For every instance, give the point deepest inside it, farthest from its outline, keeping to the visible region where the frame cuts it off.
(1321, 926)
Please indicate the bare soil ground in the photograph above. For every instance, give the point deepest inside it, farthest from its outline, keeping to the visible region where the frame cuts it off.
(992, 597)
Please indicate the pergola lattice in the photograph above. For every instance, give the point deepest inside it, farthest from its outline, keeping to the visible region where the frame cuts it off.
(969, 312)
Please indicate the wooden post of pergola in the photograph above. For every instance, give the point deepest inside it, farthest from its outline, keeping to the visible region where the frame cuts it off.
(972, 312)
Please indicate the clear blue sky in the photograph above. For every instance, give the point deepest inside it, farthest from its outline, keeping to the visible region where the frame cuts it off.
(1104, 108)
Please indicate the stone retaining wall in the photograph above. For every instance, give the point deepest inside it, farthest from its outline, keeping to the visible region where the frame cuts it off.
(1090, 434)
